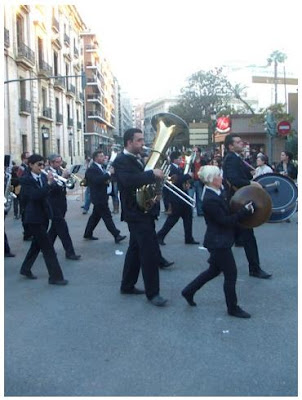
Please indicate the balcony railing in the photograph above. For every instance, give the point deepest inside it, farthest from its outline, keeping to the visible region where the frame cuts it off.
(24, 106)
(25, 52)
(59, 118)
(69, 122)
(55, 24)
(6, 37)
(44, 68)
(59, 81)
(71, 89)
(47, 112)
(66, 39)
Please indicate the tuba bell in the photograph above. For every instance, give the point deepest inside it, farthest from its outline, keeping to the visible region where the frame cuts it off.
(167, 126)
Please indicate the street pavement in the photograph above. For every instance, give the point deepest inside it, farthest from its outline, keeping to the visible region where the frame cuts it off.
(86, 339)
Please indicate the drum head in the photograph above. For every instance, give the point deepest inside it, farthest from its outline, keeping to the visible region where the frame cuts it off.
(283, 192)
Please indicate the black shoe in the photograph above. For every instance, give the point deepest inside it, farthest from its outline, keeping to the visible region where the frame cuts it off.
(90, 237)
(9, 255)
(259, 273)
(59, 282)
(132, 291)
(158, 301)
(165, 264)
(28, 275)
(119, 238)
(73, 257)
(161, 241)
(239, 313)
(27, 238)
(192, 242)
(189, 298)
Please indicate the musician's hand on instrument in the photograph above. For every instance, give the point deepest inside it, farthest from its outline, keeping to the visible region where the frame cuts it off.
(158, 173)
(256, 184)
(111, 170)
(50, 178)
(253, 172)
(250, 206)
(174, 179)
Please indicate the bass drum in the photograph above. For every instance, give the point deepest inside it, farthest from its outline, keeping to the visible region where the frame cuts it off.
(284, 194)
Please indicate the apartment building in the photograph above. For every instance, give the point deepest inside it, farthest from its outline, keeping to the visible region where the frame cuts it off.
(43, 98)
(100, 95)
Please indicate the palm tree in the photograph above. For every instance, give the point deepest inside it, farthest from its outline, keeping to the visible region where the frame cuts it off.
(276, 57)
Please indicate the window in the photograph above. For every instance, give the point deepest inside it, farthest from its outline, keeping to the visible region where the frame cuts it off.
(20, 30)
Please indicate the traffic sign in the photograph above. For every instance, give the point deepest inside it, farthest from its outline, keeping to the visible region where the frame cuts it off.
(284, 128)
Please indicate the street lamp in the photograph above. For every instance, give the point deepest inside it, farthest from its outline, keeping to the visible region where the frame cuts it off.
(213, 116)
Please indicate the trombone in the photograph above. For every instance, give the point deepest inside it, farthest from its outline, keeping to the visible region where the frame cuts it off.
(175, 189)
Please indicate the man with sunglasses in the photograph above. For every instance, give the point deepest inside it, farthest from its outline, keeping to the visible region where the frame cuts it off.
(36, 188)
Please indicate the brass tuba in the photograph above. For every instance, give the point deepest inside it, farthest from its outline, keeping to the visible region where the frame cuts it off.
(167, 126)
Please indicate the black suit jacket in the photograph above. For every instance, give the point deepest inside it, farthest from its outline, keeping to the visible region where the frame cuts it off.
(181, 178)
(37, 208)
(220, 222)
(98, 183)
(57, 198)
(130, 175)
(235, 172)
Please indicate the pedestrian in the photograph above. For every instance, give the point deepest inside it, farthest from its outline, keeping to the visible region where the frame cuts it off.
(197, 185)
(143, 251)
(97, 179)
(35, 188)
(57, 198)
(218, 239)
(237, 174)
(286, 166)
(262, 167)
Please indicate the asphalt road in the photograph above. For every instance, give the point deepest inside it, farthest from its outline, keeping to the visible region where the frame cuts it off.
(86, 339)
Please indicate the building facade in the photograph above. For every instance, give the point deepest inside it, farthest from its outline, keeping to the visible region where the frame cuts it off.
(43, 98)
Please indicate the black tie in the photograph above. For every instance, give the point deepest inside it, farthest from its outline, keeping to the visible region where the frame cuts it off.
(39, 181)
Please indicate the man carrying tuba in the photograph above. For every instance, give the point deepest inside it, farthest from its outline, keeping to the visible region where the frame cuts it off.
(237, 174)
(143, 251)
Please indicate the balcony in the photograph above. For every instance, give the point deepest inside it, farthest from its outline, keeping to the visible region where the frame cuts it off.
(24, 107)
(47, 112)
(71, 90)
(96, 115)
(69, 122)
(55, 24)
(66, 39)
(44, 68)
(76, 52)
(59, 83)
(59, 118)
(6, 38)
(25, 56)
(91, 47)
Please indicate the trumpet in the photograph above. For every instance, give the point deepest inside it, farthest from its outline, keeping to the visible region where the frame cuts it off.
(59, 179)
(72, 177)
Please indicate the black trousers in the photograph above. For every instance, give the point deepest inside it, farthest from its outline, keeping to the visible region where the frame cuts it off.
(246, 237)
(178, 211)
(101, 211)
(59, 228)
(143, 252)
(42, 242)
(221, 260)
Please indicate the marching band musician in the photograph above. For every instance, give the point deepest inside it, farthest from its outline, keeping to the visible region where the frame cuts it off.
(22, 171)
(35, 189)
(143, 251)
(178, 207)
(97, 179)
(218, 239)
(57, 198)
(197, 185)
(237, 174)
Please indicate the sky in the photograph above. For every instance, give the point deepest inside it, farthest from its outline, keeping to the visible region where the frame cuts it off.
(153, 46)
